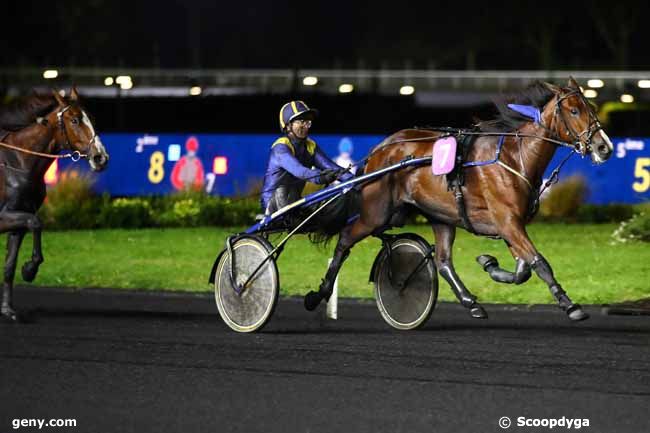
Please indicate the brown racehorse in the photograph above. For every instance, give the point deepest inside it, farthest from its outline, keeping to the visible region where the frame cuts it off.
(33, 131)
(497, 196)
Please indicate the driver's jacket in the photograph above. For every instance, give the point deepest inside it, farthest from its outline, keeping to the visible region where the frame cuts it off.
(290, 165)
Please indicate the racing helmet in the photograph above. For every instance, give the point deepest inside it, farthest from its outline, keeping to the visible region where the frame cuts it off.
(293, 110)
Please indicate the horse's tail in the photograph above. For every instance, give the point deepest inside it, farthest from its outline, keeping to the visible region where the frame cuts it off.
(335, 216)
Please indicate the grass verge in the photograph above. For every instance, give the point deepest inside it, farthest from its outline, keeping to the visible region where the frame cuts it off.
(585, 262)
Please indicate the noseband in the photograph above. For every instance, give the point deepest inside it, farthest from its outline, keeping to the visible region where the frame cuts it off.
(583, 147)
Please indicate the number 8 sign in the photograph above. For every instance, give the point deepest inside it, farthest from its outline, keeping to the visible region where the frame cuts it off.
(156, 169)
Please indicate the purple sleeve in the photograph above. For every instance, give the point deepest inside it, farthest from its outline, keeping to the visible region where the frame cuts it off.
(323, 162)
(286, 160)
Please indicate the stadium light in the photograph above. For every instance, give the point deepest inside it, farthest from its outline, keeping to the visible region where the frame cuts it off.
(406, 90)
(590, 93)
(50, 73)
(595, 83)
(195, 90)
(108, 81)
(626, 98)
(310, 81)
(124, 81)
(122, 78)
(346, 88)
(644, 84)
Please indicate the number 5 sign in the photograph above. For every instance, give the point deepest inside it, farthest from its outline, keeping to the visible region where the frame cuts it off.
(642, 171)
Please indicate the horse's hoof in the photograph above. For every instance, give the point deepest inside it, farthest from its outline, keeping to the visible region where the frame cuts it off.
(312, 300)
(576, 314)
(10, 316)
(477, 312)
(29, 271)
(486, 261)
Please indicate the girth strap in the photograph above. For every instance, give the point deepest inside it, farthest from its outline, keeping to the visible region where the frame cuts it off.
(462, 212)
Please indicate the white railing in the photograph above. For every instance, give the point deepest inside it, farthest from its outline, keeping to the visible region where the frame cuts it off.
(177, 82)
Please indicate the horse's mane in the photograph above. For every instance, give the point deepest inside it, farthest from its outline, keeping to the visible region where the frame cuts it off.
(537, 94)
(24, 111)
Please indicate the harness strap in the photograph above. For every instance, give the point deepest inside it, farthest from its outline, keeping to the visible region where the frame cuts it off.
(498, 161)
(462, 211)
(513, 171)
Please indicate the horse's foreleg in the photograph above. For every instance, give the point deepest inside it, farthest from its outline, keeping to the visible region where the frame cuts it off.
(348, 237)
(522, 246)
(544, 271)
(490, 265)
(30, 268)
(445, 236)
(14, 239)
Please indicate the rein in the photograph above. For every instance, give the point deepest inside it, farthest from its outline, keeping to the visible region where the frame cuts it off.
(483, 134)
(458, 194)
(75, 156)
(450, 131)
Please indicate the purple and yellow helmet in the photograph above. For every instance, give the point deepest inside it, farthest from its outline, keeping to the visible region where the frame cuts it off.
(294, 109)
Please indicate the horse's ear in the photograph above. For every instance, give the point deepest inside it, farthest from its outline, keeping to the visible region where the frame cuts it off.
(573, 83)
(58, 97)
(553, 88)
(74, 96)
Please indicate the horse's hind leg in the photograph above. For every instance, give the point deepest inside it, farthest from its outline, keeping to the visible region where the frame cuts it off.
(17, 223)
(522, 246)
(445, 236)
(349, 236)
(491, 266)
(21, 221)
(14, 239)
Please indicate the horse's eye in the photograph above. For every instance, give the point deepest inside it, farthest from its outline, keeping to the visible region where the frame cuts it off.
(574, 111)
(74, 121)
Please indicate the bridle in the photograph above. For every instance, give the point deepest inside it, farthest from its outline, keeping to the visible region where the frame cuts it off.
(75, 155)
(580, 146)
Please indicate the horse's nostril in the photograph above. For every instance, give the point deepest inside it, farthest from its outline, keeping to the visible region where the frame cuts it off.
(99, 160)
(603, 149)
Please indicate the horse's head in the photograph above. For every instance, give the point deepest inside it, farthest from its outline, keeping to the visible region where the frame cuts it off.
(575, 121)
(75, 131)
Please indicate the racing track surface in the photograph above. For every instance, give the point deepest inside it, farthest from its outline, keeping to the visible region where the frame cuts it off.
(155, 372)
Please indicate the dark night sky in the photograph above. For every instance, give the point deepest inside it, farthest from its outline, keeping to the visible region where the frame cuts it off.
(281, 34)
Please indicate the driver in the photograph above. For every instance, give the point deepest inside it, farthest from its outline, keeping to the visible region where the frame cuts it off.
(295, 158)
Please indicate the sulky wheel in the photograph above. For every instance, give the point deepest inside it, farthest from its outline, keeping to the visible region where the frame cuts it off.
(406, 282)
(250, 309)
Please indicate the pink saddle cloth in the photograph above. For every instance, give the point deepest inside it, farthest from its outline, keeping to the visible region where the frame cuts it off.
(444, 155)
